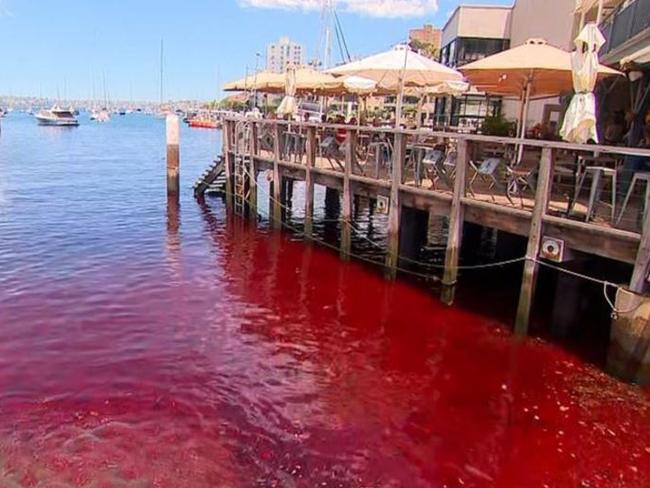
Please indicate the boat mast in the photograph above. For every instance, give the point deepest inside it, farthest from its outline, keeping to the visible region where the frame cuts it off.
(325, 40)
(162, 47)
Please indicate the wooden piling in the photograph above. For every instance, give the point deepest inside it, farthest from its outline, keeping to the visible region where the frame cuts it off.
(252, 173)
(456, 217)
(309, 182)
(346, 210)
(172, 124)
(639, 281)
(277, 182)
(534, 239)
(395, 207)
(228, 133)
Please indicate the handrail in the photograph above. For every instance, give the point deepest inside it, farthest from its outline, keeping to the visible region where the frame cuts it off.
(591, 148)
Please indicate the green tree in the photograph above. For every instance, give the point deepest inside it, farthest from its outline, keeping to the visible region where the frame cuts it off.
(425, 49)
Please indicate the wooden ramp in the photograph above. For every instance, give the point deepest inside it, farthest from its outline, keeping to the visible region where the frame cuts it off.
(213, 179)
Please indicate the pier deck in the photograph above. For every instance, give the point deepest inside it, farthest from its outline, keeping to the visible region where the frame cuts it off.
(573, 193)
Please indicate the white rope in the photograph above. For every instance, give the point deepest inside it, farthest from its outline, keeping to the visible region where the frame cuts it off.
(605, 284)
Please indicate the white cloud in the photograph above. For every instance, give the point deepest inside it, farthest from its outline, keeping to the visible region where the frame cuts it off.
(373, 8)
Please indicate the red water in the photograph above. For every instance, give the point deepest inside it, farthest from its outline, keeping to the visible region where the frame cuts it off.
(145, 347)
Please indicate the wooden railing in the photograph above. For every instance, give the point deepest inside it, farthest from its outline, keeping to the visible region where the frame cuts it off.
(581, 194)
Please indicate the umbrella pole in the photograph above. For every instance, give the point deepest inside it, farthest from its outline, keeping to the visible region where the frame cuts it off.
(522, 122)
(418, 122)
(400, 96)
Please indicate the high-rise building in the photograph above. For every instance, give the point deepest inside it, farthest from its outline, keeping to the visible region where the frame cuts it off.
(281, 54)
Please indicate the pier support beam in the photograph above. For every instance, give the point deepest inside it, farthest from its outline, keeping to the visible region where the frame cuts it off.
(534, 240)
(309, 183)
(629, 348)
(286, 197)
(228, 157)
(628, 357)
(412, 235)
(455, 234)
(172, 124)
(346, 211)
(332, 211)
(277, 182)
(252, 173)
(395, 207)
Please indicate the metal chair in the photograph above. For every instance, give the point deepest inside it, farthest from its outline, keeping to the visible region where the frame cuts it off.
(639, 177)
(597, 173)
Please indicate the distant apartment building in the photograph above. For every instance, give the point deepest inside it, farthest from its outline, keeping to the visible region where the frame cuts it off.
(283, 53)
(474, 32)
(426, 35)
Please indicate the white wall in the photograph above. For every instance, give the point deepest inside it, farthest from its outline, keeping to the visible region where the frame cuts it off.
(552, 20)
(488, 22)
(485, 22)
(547, 19)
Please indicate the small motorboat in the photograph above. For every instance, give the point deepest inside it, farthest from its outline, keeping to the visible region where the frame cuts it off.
(57, 116)
(204, 123)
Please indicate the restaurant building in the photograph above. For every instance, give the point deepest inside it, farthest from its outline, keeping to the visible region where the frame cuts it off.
(474, 32)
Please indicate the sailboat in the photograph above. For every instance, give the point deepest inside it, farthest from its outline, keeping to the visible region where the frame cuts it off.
(102, 115)
(162, 111)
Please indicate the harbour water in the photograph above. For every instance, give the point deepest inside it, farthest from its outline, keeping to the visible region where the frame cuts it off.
(144, 343)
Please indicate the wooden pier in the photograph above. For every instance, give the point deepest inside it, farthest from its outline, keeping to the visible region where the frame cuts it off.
(558, 192)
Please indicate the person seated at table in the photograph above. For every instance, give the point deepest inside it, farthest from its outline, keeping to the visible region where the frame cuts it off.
(615, 130)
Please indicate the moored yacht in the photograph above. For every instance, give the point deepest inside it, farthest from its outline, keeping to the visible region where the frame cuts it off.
(57, 116)
(102, 115)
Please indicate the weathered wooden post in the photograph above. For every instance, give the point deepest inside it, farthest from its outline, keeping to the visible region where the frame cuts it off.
(534, 240)
(309, 182)
(172, 126)
(228, 137)
(277, 181)
(455, 236)
(395, 207)
(252, 172)
(346, 210)
(629, 349)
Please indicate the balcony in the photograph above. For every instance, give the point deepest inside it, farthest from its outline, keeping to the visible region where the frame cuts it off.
(628, 21)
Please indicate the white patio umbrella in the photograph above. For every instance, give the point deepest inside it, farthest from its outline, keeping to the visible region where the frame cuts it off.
(288, 105)
(398, 68)
(580, 119)
(359, 85)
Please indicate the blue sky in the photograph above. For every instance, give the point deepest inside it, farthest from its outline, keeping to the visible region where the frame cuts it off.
(48, 47)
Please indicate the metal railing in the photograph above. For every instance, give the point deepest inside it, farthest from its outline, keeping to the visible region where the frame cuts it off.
(625, 23)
